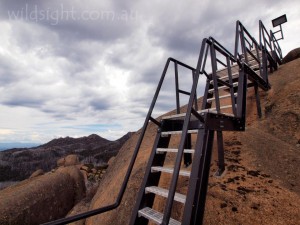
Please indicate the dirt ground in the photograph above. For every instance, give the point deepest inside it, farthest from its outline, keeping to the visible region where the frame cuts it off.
(261, 184)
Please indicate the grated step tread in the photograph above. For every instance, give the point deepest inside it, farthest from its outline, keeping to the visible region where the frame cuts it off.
(221, 97)
(223, 107)
(234, 75)
(164, 193)
(155, 216)
(185, 173)
(233, 67)
(235, 84)
(211, 110)
(158, 150)
(164, 133)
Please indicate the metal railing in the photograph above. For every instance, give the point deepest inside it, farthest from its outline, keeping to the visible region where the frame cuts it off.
(276, 46)
(178, 90)
(243, 37)
(269, 42)
(215, 47)
(137, 148)
(265, 38)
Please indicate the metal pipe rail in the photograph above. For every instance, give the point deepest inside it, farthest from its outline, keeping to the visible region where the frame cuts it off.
(245, 35)
(222, 47)
(181, 63)
(214, 47)
(241, 34)
(276, 46)
(272, 43)
(221, 50)
(178, 91)
(133, 159)
(264, 42)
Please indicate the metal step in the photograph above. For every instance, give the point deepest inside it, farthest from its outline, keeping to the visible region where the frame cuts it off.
(223, 107)
(253, 52)
(164, 193)
(235, 84)
(165, 133)
(234, 75)
(235, 65)
(169, 170)
(254, 66)
(155, 216)
(181, 115)
(175, 150)
(252, 59)
(220, 97)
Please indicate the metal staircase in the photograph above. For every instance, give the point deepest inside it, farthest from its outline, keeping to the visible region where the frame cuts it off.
(228, 76)
(223, 109)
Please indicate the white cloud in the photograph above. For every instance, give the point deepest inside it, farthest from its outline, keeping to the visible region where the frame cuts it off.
(6, 132)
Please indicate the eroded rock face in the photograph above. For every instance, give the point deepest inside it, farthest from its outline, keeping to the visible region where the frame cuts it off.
(43, 198)
(292, 55)
(37, 173)
(70, 160)
(60, 162)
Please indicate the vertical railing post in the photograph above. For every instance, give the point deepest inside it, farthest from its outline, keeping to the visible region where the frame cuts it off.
(233, 100)
(177, 88)
(243, 44)
(214, 76)
(260, 34)
(196, 99)
(237, 31)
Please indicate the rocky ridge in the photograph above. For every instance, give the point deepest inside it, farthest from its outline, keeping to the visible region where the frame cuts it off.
(19, 164)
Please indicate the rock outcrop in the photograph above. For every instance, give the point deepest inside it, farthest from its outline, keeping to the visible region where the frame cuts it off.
(292, 55)
(37, 173)
(42, 198)
(69, 160)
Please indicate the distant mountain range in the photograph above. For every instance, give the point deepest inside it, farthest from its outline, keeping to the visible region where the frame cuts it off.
(20, 163)
(5, 146)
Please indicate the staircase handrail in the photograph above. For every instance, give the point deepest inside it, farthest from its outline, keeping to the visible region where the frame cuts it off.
(276, 46)
(221, 47)
(241, 28)
(133, 159)
(264, 37)
(230, 59)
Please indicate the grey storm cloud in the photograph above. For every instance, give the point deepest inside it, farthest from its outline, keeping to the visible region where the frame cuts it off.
(27, 102)
(101, 103)
(75, 21)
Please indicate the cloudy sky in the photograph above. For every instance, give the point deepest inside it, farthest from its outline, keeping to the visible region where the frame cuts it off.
(73, 68)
